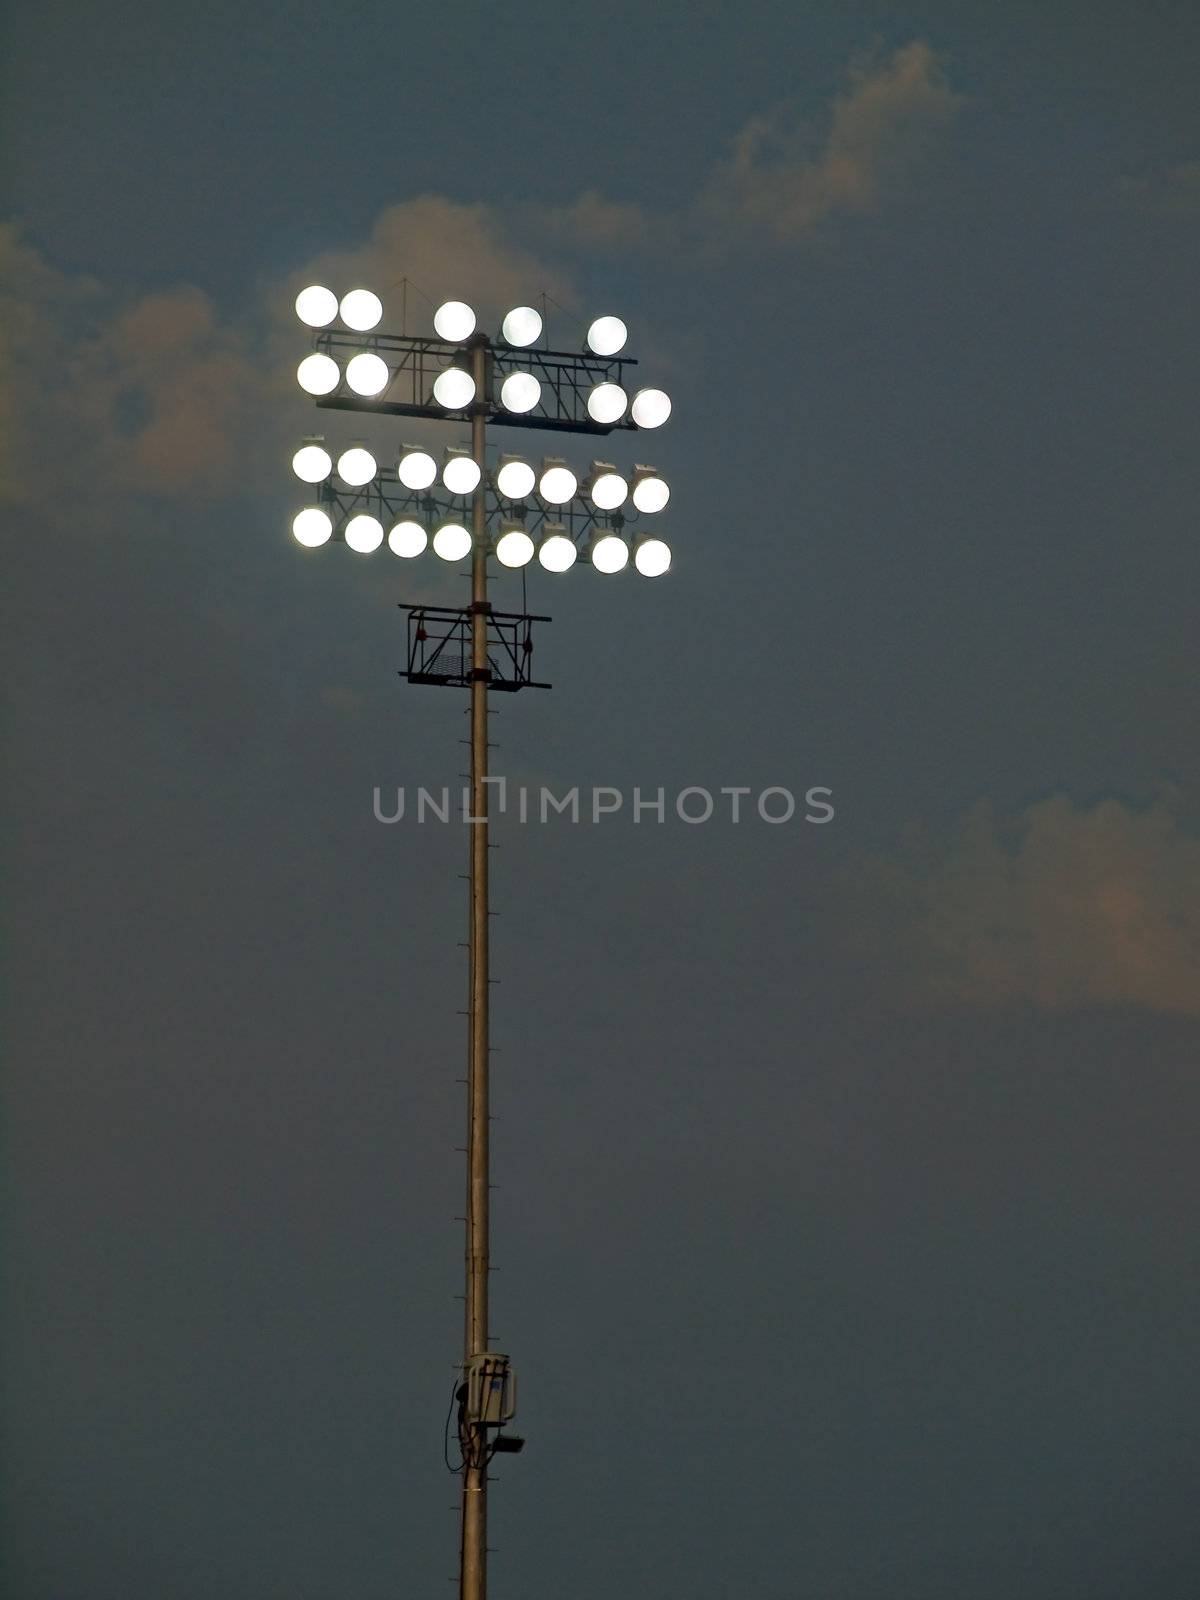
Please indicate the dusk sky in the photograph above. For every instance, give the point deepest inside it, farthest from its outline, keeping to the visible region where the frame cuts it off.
(846, 1220)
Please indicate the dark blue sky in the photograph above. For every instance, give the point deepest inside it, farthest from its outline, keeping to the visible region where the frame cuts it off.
(847, 1184)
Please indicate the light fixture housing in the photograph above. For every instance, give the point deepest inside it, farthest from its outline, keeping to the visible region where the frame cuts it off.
(318, 374)
(651, 556)
(515, 478)
(520, 392)
(454, 388)
(522, 326)
(650, 489)
(454, 321)
(312, 526)
(556, 552)
(651, 408)
(417, 469)
(356, 466)
(460, 470)
(606, 488)
(312, 463)
(514, 547)
(557, 483)
(316, 306)
(607, 551)
(363, 533)
(407, 538)
(607, 336)
(361, 310)
(452, 541)
(367, 374)
(607, 403)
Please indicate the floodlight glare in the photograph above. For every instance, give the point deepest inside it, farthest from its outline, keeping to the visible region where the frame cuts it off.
(356, 466)
(454, 388)
(317, 306)
(650, 490)
(651, 408)
(367, 374)
(607, 335)
(461, 472)
(312, 526)
(606, 403)
(651, 557)
(364, 533)
(608, 489)
(520, 391)
(515, 478)
(609, 552)
(454, 321)
(522, 326)
(557, 483)
(417, 469)
(408, 539)
(514, 547)
(361, 310)
(312, 463)
(556, 552)
(452, 541)
(318, 374)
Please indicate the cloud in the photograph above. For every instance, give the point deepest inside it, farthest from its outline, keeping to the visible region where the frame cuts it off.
(1058, 907)
(1174, 192)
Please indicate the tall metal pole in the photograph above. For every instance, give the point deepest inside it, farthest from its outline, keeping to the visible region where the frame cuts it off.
(473, 1555)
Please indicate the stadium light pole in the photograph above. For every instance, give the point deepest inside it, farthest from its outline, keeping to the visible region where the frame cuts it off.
(454, 375)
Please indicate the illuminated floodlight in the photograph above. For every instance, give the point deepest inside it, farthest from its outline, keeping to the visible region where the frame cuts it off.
(606, 403)
(515, 478)
(454, 388)
(454, 321)
(312, 526)
(452, 541)
(460, 473)
(520, 391)
(318, 374)
(651, 408)
(650, 490)
(522, 327)
(556, 552)
(417, 469)
(607, 335)
(557, 483)
(356, 466)
(607, 488)
(312, 463)
(364, 533)
(514, 547)
(361, 310)
(408, 539)
(316, 305)
(608, 551)
(367, 374)
(651, 556)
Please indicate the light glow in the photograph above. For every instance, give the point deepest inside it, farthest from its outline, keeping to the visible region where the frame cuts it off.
(316, 306)
(356, 466)
(607, 335)
(417, 469)
(514, 547)
(408, 539)
(652, 557)
(454, 321)
(609, 552)
(312, 526)
(318, 374)
(361, 310)
(606, 403)
(461, 472)
(515, 478)
(454, 388)
(608, 489)
(650, 491)
(520, 392)
(557, 483)
(522, 327)
(364, 533)
(367, 374)
(651, 408)
(556, 552)
(312, 463)
(452, 541)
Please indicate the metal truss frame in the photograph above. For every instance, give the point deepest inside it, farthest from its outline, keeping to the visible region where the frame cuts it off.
(439, 647)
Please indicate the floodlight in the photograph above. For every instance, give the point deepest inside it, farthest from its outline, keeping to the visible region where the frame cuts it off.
(607, 335)
(651, 408)
(606, 403)
(356, 466)
(557, 483)
(514, 478)
(408, 538)
(318, 374)
(417, 469)
(522, 326)
(461, 471)
(651, 556)
(454, 321)
(556, 552)
(608, 551)
(607, 488)
(317, 306)
(650, 489)
(312, 526)
(361, 310)
(452, 541)
(520, 391)
(364, 533)
(454, 388)
(514, 547)
(312, 463)
(367, 374)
